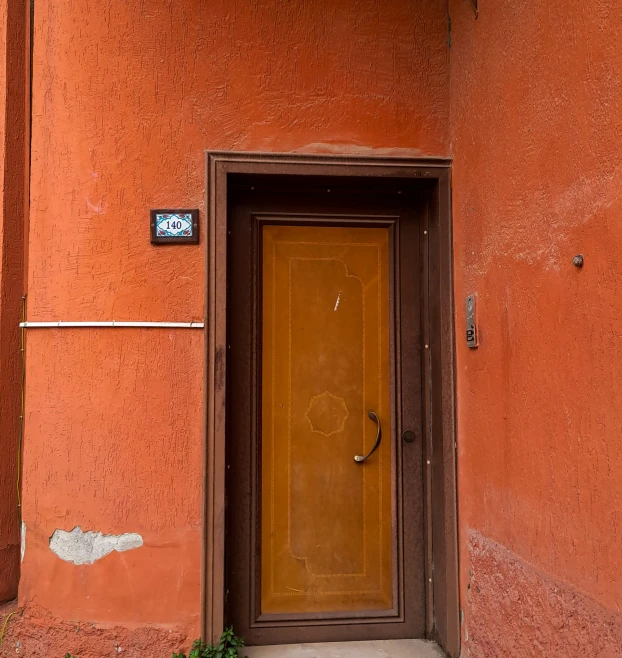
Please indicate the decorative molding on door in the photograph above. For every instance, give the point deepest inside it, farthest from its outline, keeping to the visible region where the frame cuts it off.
(325, 404)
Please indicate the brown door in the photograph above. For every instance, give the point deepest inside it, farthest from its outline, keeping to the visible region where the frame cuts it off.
(325, 534)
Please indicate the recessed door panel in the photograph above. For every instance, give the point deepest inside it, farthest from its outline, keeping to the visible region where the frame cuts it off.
(327, 532)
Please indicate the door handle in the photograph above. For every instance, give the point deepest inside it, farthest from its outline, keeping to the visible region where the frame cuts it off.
(361, 458)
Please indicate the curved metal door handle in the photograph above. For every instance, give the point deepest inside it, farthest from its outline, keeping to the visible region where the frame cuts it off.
(361, 458)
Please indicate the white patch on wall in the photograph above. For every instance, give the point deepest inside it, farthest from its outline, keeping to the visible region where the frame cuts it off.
(88, 547)
(23, 540)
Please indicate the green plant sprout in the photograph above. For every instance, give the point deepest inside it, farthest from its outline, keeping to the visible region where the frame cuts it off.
(228, 647)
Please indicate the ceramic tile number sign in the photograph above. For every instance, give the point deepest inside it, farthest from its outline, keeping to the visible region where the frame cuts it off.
(174, 226)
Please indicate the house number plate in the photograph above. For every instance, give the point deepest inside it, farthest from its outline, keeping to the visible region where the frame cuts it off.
(174, 226)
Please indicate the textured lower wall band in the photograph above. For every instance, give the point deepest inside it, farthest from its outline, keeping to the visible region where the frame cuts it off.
(516, 611)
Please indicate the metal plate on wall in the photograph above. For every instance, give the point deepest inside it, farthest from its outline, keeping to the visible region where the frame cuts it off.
(174, 226)
(471, 326)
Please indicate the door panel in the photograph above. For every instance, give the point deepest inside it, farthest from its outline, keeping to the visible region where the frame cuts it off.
(323, 327)
(327, 531)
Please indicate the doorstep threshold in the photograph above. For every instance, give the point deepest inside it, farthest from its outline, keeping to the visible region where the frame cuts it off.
(371, 649)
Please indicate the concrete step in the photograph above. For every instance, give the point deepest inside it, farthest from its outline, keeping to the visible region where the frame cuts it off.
(373, 649)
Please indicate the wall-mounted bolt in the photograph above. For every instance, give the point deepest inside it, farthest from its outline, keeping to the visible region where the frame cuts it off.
(577, 261)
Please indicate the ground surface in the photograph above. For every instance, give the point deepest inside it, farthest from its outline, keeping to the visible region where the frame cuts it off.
(377, 649)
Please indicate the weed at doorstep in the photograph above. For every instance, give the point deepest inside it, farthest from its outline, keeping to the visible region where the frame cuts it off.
(228, 646)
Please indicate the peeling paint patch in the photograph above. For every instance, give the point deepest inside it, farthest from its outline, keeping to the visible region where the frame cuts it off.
(23, 541)
(88, 547)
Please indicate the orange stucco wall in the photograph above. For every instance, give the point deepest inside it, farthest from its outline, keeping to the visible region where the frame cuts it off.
(536, 132)
(126, 98)
(8, 516)
(12, 211)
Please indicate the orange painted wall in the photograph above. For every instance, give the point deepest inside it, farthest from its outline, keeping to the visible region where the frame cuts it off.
(8, 516)
(536, 130)
(127, 96)
(12, 209)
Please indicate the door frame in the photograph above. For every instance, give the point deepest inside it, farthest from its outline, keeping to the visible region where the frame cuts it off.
(442, 593)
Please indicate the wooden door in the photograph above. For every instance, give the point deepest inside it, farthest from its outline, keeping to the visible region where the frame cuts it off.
(326, 539)
(325, 535)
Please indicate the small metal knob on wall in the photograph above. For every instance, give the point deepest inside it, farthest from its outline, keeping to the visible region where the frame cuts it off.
(577, 261)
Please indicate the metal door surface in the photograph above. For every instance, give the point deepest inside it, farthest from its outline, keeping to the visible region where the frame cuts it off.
(325, 535)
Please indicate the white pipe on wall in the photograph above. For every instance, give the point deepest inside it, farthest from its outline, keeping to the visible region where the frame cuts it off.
(113, 323)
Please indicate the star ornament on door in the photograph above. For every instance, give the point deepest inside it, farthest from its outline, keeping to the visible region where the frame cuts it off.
(174, 226)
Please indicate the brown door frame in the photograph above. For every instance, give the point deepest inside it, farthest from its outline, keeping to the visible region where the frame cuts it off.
(442, 622)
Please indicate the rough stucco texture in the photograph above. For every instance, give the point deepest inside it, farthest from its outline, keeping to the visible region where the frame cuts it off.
(8, 572)
(535, 134)
(127, 96)
(519, 611)
(35, 632)
(118, 450)
(12, 180)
